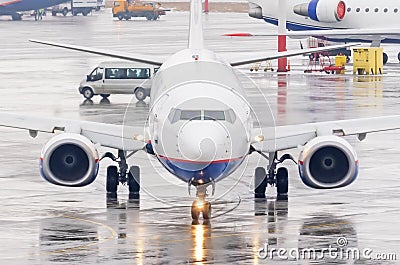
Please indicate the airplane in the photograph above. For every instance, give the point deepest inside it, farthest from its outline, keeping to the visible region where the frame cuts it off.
(200, 128)
(12, 7)
(346, 21)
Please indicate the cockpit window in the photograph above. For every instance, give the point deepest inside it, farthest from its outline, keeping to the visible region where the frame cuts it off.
(190, 115)
(214, 115)
(230, 116)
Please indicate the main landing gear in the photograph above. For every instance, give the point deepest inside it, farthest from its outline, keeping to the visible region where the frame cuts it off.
(274, 177)
(120, 174)
(200, 206)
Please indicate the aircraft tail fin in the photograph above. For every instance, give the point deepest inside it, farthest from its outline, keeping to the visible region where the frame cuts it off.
(196, 40)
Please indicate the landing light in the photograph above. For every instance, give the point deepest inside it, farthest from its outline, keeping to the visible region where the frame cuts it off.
(259, 138)
(199, 204)
(138, 137)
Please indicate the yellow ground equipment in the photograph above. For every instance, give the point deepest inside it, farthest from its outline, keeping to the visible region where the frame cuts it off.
(368, 61)
(123, 9)
(340, 62)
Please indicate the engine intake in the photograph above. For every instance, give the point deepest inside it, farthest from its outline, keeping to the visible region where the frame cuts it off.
(69, 160)
(329, 11)
(328, 162)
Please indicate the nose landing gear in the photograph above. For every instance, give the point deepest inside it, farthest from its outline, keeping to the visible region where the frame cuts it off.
(200, 205)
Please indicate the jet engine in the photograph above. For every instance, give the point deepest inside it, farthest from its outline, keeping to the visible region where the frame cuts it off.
(328, 162)
(329, 11)
(69, 159)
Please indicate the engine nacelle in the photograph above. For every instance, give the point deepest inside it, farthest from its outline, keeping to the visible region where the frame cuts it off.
(328, 162)
(69, 159)
(329, 11)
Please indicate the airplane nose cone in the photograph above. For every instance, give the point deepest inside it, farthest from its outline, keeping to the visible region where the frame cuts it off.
(202, 142)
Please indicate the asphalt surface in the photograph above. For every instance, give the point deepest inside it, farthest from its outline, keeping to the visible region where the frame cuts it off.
(45, 224)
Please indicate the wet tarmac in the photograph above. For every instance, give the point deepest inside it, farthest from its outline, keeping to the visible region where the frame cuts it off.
(45, 224)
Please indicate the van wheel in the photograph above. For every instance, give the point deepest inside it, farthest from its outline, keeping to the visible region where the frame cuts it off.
(87, 92)
(105, 95)
(140, 93)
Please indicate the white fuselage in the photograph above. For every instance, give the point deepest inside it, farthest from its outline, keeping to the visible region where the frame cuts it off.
(199, 123)
(359, 14)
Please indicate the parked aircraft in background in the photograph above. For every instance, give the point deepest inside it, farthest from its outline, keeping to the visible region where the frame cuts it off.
(12, 7)
(200, 129)
(336, 20)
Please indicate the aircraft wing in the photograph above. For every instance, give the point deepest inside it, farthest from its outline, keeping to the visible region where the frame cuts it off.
(271, 139)
(114, 54)
(277, 55)
(128, 138)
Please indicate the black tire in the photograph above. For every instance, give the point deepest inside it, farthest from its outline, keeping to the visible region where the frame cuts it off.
(140, 93)
(282, 182)
(260, 182)
(207, 211)
(16, 17)
(85, 13)
(112, 179)
(385, 58)
(87, 92)
(149, 16)
(134, 180)
(398, 56)
(194, 211)
(54, 13)
(65, 11)
(105, 95)
(120, 17)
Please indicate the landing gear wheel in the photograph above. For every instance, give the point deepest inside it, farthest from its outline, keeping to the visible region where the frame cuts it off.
(112, 179)
(385, 58)
(207, 211)
(120, 17)
(16, 17)
(149, 16)
(87, 92)
(134, 182)
(195, 211)
(282, 183)
(260, 183)
(65, 11)
(140, 93)
(398, 56)
(105, 95)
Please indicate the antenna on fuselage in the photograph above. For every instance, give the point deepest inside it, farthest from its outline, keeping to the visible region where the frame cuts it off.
(196, 40)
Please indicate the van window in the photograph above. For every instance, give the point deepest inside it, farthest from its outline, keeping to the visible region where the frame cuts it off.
(116, 73)
(138, 73)
(96, 74)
